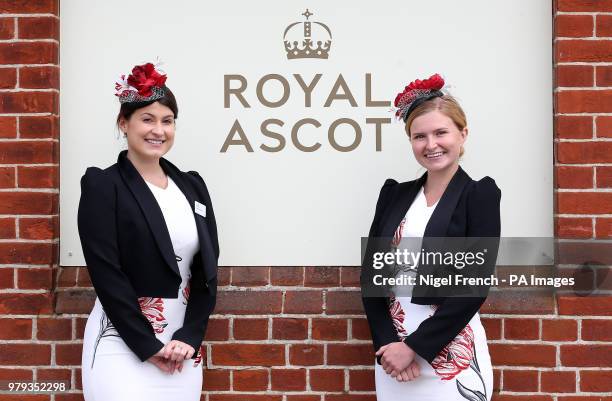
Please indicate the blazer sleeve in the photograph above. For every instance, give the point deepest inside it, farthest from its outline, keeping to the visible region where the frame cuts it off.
(453, 315)
(202, 294)
(377, 308)
(98, 232)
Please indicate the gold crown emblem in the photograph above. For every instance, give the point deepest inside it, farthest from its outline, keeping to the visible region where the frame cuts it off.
(313, 41)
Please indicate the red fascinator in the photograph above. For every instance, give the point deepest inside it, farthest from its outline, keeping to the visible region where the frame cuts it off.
(145, 83)
(416, 93)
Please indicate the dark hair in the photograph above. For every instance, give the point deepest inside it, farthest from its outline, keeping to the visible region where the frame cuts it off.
(127, 109)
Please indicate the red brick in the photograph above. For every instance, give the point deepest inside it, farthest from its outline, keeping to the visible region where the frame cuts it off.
(603, 27)
(306, 354)
(7, 277)
(586, 355)
(250, 380)
(582, 398)
(329, 329)
(38, 176)
(248, 354)
(67, 276)
(80, 327)
(584, 101)
(244, 397)
(517, 302)
(75, 301)
(360, 330)
(26, 152)
(250, 329)
(8, 127)
(39, 77)
(603, 228)
(249, 302)
(582, 252)
(320, 276)
(217, 330)
(303, 302)
(571, 227)
(54, 329)
(23, 397)
(68, 354)
(343, 302)
(579, 127)
(29, 6)
(7, 28)
(350, 354)
(38, 228)
(520, 380)
(38, 28)
(492, 327)
(288, 379)
(34, 279)
(29, 53)
(603, 126)
(327, 379)
(16, 374)
(301, 397)
(15, 329)
(523, 355)
(83, 279)
(521, 329)
(349, 276)
(224, 275)
(28, 102)
(361, 380)
(568, 177)
(7, 228)
(575, 26)
(583, 50)
(250, 276)
(350, 397)
(584, 5)
(507, 397)
(603, 176)
(39, 127)
(216, 380)
(558, 382)
(585, 306)
(28, 253)
(574, 75)
(25, 354)
(559, 330)
(596, 381)
(603, 75)
(28, 203)
(8, 78)
(286, 276)
(7, 177)
(597, 330)
(584, 202)
(289, 329)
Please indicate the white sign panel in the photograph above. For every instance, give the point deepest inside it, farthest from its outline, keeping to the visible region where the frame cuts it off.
(284, 109)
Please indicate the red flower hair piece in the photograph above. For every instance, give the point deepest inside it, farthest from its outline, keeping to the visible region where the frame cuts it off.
(143, 84)
(416, 90)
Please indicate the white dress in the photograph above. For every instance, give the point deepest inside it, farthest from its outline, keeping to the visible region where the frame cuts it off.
(110, 370)
(462, 370)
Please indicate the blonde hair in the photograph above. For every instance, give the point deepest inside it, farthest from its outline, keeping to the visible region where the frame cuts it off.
(447, 105)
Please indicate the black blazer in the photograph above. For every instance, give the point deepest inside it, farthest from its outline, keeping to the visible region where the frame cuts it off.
(467, 208)
(129, 253)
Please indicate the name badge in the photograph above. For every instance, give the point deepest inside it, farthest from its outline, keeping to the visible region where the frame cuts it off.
(200, 209)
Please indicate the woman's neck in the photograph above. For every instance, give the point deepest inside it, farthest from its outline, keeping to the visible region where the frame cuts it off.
(436, 183)
(149, 169)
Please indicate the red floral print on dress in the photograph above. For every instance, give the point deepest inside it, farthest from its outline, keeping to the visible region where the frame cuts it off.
(456, 356)
(186, 291)
(397, 237)
(398, 315)
(153, 309)
(198, 357)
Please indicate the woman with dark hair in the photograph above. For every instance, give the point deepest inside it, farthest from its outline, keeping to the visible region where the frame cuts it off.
(149, 238)
(431, 346)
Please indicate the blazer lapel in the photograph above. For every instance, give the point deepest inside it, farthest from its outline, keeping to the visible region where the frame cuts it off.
(439, 220)
(399, 205)
(206, 248)
(150, 209)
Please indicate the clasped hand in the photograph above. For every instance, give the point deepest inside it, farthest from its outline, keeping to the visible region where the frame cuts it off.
(398, 360)
(170, 358)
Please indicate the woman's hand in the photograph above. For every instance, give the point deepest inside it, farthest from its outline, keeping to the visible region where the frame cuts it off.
(411, 373)
(176, 352)
(161, 362)
(396, 357)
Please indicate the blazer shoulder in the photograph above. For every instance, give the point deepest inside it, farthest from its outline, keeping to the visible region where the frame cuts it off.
(485, 190)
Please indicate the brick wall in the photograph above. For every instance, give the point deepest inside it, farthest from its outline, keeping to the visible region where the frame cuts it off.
(298, 333)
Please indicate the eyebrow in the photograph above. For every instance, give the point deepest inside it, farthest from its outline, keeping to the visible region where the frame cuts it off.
(436, 130)
(166, 116)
